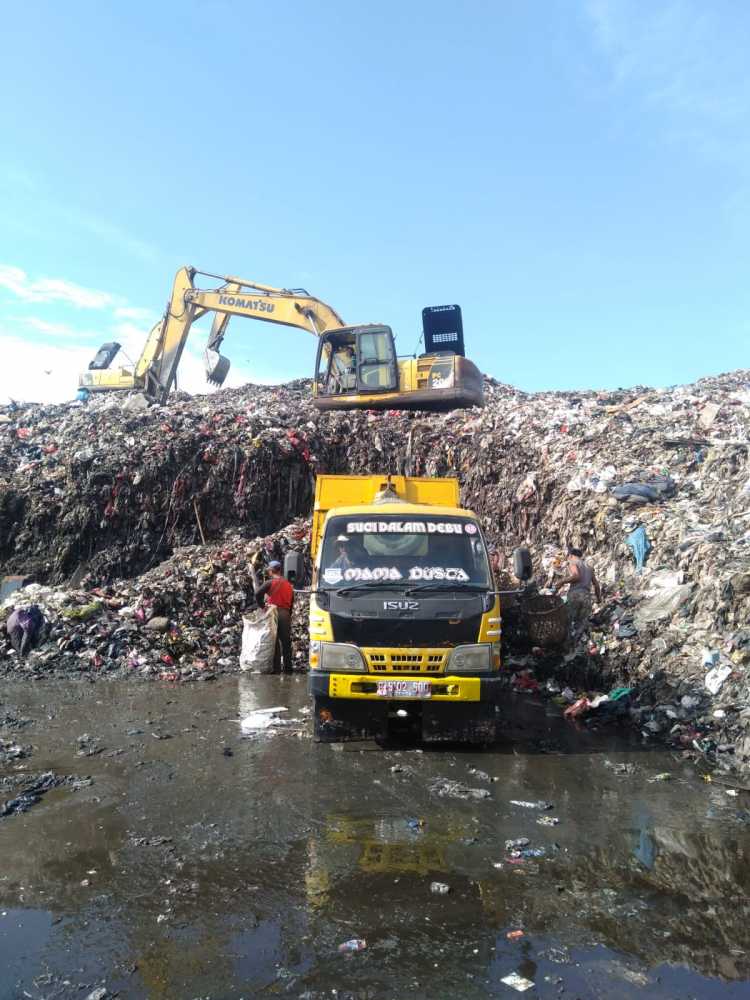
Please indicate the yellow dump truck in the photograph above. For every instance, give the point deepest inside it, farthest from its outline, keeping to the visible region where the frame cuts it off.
(404, 619)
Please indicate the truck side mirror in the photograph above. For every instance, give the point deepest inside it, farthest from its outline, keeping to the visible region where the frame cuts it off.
(523, 568)
(294, 567)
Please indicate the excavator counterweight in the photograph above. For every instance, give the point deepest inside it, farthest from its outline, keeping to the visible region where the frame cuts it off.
(356, 367)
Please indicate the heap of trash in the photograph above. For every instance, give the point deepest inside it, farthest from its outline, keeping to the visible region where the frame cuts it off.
(102, 502)
(176, 622)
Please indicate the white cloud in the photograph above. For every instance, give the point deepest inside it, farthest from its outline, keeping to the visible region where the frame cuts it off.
(17, 281)
(135, 313)
(48, 329)
(38, 372)
(684, 58)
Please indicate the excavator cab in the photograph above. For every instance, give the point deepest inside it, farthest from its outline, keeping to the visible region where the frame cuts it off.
(356, 360)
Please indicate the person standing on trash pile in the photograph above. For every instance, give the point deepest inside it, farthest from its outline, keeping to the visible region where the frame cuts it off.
(580, 579)
(279, 592)
(24, 627)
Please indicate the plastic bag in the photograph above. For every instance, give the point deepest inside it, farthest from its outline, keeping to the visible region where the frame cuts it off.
(259, 640)
(715, 678)
(663, 604)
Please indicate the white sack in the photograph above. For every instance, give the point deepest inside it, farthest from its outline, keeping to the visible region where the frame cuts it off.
(259, 640)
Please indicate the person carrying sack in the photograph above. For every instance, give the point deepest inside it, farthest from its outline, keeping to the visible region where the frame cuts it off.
(279, 592)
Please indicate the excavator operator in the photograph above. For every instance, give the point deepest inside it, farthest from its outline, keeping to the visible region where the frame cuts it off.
(342, 377)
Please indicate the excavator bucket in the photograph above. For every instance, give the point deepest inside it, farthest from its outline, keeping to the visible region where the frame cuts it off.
(217, 366)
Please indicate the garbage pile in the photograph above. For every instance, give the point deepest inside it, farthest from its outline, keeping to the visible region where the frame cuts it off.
(653, 484)
(181, 621)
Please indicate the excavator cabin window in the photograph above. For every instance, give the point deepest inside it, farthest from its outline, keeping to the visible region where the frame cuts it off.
(356, 361)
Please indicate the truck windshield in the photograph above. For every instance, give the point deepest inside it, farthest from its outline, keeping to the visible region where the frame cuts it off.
(413, 550)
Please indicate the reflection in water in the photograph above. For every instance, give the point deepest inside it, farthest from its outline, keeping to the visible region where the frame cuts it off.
(183, 872)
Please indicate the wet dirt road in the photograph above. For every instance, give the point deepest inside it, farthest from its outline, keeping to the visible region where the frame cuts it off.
(184, 871)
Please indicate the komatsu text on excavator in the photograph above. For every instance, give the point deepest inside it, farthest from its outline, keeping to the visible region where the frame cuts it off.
(356, 366)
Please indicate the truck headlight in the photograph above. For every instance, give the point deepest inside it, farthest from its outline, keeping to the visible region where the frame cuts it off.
(338, 656)
(475, 659)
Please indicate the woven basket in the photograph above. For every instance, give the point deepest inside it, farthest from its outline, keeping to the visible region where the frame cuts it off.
(536, 619)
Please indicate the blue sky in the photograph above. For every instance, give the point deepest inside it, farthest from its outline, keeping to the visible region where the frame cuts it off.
(574, 173)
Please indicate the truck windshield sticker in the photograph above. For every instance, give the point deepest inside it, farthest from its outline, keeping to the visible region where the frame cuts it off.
(453, 573)
(408, 547)
(406, 527)
(378, 573)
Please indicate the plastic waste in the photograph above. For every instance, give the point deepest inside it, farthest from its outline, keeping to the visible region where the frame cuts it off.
(259, 641)
(540, 804)
(577, 709)
(355, 944)
(518, 983)
(663, 604)
(440, 888)
(715, 678)
(262, 718)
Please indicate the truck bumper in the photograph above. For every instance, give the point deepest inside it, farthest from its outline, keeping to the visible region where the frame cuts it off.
(347, 707)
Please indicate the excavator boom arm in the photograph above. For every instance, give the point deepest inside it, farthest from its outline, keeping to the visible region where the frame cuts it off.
(272, 305)
(157, 365)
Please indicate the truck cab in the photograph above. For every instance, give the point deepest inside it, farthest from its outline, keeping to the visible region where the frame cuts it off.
(404, 619)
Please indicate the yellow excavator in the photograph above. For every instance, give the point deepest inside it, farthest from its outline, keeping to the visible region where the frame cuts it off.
(356, 366)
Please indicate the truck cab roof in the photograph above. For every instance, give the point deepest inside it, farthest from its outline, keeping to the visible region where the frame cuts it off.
(427, 510)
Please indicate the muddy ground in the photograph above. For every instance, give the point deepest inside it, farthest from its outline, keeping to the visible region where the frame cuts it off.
(198, 863)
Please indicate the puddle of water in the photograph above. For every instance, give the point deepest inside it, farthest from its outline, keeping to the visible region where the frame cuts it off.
(187, 871)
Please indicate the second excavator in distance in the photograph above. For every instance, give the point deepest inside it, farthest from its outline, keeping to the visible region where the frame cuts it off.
(356, 366)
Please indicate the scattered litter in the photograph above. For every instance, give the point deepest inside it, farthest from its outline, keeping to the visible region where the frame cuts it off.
(517, 982)
(531, 805)
(33, 787)
(440, 888)
(715, 678)
(150, 841)
(479, 775)
(514, 935)
(12, 751)
(548, 821)
(620, 768)
(355, 944)
(516, 843)
(456, 790)
(263, 718)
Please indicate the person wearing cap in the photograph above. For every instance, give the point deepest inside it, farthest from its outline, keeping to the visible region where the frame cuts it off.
(279, 592)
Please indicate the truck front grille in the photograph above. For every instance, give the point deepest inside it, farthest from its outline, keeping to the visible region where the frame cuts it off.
(392, 633)
(416, 661)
